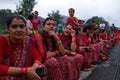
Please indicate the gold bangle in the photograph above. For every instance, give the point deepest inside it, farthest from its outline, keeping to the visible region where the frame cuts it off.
(73, 41)
(59, 42)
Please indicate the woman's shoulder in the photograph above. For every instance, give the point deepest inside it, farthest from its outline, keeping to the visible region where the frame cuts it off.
(3, 39)
(60, 35)
(83, 34)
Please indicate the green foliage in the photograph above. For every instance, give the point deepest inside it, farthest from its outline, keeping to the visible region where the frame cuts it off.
(2, 29)
(4, 14)
(25, 5)
(55, 14)
(96, 19)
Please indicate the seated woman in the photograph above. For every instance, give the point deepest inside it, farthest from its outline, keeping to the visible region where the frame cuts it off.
(106, 44)
(86, 38)
(19, 58)
(82, 48)
(97, 44)
(113, 37)
(69, 41)
(50, 46)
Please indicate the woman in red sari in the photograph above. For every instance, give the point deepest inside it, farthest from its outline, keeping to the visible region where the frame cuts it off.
(118, 34)
(104, 38)
(105, 43)
(82, 48)
(86, 37)
(75, 60)
(19, 58)
(96, 44)
(72, 20)
(50, 47)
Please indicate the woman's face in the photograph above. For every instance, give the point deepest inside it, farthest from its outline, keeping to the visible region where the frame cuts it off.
(79, 32)
(71, 13)
(68, 29)
(36, 14)
(17, 29)
(97, 31)
(49, 25)
(88, 31)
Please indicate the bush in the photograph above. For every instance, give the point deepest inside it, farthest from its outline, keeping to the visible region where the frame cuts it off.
(2, 29)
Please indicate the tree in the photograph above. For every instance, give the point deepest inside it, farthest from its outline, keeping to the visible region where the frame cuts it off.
(25, 5)
(96, 19)
(55, 14)
(4, 14)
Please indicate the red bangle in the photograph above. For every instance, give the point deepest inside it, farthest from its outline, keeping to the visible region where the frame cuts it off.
(23, 71)
(26, 70)
(68, 52)
(56, 52)
(73, 41)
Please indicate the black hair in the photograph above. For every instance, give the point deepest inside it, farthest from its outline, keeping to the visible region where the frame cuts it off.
(36, 12)
(30, 17)
(72, 9)
(87, 27)
(70, 25)
(9, 21)
(21, 12)
(77, 30)
(48, 18)
(54, 43)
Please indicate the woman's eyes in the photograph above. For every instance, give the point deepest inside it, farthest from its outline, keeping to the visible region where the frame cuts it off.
(16, 26)
(51, 24)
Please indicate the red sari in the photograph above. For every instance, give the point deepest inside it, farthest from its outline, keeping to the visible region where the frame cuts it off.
(71, 20)
(118, 35)
(96, 45)
(106, 43)
(87, 40)
(80, 50)
(45, 44)
(21, 55)
(74, 63)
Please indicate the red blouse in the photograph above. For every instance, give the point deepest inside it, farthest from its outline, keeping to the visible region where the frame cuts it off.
(36, 21)
(103, 37)
(6, 54)
(86, 38)
(71, 20)
(66, 41)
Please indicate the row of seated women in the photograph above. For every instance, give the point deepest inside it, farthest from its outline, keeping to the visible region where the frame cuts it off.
(73, 50)
(64, 55)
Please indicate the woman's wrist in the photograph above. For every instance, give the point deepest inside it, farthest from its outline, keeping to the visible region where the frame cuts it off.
(59, 42)
(57, 52)
(23, 71)
(73, 39)
(68, 51)
(38, 62)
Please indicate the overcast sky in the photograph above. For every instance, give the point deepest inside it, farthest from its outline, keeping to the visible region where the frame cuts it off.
(85, 9)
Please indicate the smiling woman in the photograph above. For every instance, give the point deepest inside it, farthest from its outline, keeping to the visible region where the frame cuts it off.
(16, 28)
(19, 58)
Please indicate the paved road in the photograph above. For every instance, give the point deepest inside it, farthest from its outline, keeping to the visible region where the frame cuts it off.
(106, 70)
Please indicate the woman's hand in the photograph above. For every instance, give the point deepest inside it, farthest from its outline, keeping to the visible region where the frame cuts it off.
(51, 33)
(72, 33)
(72, 53)
(32, 75)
